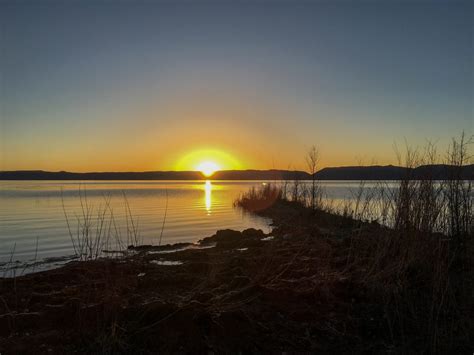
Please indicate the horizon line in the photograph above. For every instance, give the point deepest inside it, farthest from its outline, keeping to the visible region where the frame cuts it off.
(224, 170)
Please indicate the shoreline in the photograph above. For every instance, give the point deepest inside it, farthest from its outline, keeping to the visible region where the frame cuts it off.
(294, 289)
(343, 173)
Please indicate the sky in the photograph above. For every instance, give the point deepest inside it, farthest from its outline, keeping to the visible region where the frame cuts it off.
(162, 85)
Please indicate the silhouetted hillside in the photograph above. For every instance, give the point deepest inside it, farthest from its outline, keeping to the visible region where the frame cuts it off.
(389, 172)
(155, 175)
(64, 175)
(362, 173)
(261, 175)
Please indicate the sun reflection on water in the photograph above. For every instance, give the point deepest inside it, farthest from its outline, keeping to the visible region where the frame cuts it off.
(208, 196)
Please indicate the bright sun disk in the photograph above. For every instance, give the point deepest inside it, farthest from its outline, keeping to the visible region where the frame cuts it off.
(207, 168)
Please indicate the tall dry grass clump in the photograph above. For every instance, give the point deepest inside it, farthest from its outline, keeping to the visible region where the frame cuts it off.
(258, 199)
(459, 192)
(420, 269)
(418, 199)
(95, 232)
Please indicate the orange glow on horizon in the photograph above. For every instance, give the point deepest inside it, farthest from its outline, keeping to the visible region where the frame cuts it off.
(207, 161)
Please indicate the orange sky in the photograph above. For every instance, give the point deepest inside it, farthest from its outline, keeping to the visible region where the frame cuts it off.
(159, 134)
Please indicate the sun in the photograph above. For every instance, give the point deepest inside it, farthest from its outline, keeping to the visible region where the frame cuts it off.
(207, 161)
(207, 168)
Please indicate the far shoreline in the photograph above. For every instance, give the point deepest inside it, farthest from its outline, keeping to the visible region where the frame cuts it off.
(349, 173)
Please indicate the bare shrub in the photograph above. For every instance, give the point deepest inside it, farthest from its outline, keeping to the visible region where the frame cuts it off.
(97, 230)
(312, 160)
(416, 262)
(458, 191)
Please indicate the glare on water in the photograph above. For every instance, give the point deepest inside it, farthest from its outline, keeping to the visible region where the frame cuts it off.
(33, 223)
(208, 196)
(191, 210)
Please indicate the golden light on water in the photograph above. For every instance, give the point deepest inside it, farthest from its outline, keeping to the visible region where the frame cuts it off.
(208, 196)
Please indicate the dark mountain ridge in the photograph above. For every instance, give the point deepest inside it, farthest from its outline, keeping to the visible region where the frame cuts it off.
(391, 172)
(388, 172)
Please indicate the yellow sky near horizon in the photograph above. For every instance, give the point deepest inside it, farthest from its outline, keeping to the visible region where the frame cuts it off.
(255, 134)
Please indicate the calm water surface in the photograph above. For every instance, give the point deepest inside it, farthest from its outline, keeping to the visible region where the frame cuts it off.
(33, 224)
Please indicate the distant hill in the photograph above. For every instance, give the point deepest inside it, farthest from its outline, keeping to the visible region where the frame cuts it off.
(64, 175)
(261, 175)
(388, 172)
(155, 175)
(362, 173)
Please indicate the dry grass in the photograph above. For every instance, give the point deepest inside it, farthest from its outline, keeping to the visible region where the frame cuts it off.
(97, 232)
(258, 199)
(416, 271)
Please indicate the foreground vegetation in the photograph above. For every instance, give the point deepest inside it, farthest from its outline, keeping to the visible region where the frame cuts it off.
(414, 264)
(319, 282)
(389, 272)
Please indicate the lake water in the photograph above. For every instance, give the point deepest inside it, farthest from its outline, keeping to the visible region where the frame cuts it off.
(33, 224)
